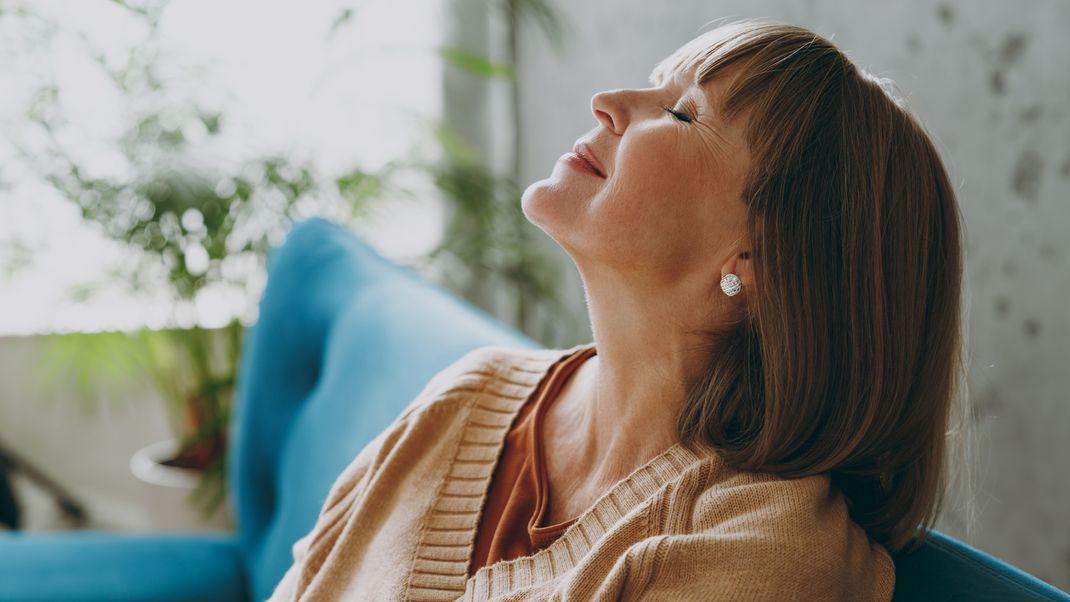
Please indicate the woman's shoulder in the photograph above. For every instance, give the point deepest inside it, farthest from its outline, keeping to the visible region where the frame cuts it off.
(800, 522)
(803, 509)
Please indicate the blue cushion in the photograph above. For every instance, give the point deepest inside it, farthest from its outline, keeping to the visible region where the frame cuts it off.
(947, 569)
(344, 341)
(89, 566)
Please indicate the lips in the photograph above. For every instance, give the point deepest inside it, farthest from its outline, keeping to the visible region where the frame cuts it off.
(584, 152)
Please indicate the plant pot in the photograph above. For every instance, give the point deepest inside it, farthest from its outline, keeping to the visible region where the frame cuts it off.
(165, 489)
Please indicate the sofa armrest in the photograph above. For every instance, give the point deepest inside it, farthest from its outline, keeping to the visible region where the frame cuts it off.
(90, 565)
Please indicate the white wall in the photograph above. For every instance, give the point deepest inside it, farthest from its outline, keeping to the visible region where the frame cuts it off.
(990, 80)
(88, 455)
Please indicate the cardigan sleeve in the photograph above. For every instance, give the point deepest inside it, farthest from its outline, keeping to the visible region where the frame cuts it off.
(697, 567)
(761, 538)
(309, 551)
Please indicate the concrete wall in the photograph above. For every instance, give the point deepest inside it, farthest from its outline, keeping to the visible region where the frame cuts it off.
(990, 80)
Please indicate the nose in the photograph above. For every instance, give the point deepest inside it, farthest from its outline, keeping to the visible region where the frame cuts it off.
(609, 109)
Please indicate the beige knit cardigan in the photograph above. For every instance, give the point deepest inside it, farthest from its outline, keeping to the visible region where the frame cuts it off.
(400, 521)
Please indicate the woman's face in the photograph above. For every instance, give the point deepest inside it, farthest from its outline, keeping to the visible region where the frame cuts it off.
(670, 200)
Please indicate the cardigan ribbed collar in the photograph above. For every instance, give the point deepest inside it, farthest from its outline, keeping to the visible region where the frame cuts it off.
(445, 543)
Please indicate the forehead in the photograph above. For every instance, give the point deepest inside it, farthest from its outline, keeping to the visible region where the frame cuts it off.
(712, 62)
(708, 50)
(689, 74)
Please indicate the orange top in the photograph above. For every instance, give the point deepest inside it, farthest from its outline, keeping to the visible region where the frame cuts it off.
(517, 501)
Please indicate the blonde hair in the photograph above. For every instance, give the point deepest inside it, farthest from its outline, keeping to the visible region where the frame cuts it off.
(850, 355)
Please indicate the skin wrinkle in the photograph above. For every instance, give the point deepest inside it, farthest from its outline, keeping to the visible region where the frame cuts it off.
(651, 241)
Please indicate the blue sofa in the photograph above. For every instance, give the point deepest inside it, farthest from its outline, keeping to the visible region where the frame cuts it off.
(344, 340)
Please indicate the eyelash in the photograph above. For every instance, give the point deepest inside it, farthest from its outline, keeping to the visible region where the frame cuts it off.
(678, 115)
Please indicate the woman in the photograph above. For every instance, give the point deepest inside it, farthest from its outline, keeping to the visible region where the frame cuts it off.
(771, 253)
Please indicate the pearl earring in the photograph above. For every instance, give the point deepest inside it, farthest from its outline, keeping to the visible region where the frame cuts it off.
(731, 285)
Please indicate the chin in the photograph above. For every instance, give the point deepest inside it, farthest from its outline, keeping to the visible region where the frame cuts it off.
(544, 199)
(550, 207)
(534, 199)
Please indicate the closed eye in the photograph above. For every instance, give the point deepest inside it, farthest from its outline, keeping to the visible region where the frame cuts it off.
(678, 115)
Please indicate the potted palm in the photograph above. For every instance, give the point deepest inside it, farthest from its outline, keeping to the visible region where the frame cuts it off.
(196, 371)
(187, 231)
(198, 225)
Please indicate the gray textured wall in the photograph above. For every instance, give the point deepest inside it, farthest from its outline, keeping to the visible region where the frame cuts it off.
(991, 81)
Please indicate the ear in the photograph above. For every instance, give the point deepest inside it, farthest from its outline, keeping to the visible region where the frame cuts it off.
(741, 265)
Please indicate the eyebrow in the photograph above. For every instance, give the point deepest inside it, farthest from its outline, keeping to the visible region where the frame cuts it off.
(703, 105)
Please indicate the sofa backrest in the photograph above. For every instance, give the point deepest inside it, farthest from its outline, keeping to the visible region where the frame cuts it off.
(344, 340)
(945, 568)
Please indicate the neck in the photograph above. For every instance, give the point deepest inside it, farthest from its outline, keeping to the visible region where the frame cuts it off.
(624, 401)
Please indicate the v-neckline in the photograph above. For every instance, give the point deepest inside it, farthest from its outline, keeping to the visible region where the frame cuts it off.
(538, 441)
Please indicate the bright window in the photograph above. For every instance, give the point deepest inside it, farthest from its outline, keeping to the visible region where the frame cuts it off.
(336, 83)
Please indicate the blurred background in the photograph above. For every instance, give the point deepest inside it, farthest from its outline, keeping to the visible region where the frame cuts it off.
(153, 152)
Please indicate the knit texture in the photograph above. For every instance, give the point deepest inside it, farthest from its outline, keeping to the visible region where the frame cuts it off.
(515, 517)
(399, 522)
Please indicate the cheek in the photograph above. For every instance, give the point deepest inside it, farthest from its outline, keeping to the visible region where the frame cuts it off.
(647, 211)
(650, 163)
(656, 180)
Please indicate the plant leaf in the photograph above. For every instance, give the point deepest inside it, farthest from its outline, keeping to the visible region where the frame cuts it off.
(475, 63)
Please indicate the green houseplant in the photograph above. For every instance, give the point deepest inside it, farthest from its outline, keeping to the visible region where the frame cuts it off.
(198, 226)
